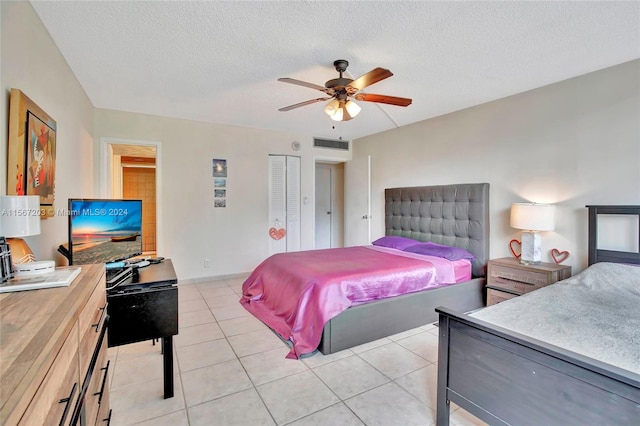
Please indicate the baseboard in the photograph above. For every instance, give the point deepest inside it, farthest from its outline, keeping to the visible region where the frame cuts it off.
(199, 280)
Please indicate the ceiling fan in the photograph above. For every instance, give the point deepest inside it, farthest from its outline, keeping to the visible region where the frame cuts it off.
(339, 90)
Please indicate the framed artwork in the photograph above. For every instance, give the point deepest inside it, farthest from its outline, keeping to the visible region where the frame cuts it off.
(31, 153)
(219, 183)
(219, 168)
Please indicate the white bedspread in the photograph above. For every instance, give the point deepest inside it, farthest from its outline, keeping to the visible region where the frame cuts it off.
(595, 313)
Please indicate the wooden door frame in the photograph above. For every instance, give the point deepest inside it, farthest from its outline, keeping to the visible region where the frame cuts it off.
(105, 176)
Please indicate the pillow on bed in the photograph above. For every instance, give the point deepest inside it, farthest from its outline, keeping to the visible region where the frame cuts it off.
(438, 250)
(395, 242)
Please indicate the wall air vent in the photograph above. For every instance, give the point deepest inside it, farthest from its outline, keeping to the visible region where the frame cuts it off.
(328, 143)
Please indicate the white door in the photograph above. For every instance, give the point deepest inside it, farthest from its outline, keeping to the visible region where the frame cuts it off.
(323, 207)
(358, 202)
(293, 204)
(284, 204)
(277, 203)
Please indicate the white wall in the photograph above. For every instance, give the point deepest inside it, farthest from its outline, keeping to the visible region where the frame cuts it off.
(31, 62)
(234, 238)
(572, 143)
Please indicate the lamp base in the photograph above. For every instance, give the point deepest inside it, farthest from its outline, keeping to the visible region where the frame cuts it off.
(20, 251)
(34, 268)
(531, 248)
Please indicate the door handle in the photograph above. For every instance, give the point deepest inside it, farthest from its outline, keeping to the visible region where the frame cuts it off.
(366, 217)
(328, 212)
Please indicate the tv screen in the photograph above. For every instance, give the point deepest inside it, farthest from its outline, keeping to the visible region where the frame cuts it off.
(103, 231)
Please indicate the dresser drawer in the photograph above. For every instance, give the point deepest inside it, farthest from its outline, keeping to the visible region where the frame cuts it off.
(91, 321)
(97, 396)
(56, 397)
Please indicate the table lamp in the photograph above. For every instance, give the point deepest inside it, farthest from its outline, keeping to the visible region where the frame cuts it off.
(19, 217)
(532, 218)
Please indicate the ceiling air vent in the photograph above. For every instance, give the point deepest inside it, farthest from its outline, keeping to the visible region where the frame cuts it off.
(328, 143)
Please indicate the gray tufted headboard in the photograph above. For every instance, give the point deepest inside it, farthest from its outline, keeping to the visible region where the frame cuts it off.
(454, 215)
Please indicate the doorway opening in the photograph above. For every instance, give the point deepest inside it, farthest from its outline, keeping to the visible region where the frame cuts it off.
(329, 204)
(130, 170)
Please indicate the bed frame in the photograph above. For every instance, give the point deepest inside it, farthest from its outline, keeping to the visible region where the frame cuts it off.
(455, 215)
(505, 378)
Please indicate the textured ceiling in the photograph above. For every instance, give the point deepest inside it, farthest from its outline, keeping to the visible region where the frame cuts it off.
(219, 61)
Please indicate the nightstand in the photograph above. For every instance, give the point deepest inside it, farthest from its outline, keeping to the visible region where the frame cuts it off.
(508, 278)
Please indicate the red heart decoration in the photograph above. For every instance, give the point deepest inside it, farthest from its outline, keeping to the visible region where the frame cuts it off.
(277, 234)
(513, 252)
(559, 256)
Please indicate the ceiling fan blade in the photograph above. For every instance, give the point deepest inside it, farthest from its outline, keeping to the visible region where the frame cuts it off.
(383, 99)
(306, 84)
(301, 104)
(370, 78)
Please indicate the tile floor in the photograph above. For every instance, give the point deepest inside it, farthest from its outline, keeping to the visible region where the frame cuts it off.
(230, 369)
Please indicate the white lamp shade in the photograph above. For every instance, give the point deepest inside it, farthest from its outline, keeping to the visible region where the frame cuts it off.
(19, 215)
(331, 107)
(352, 108)
(533, 217)
(338, 115)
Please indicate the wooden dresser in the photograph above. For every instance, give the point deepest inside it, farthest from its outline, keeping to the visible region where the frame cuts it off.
(508, 278)
(53, 354)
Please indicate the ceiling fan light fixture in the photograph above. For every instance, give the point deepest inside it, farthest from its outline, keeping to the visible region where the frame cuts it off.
(332, 107)
(339, 114)
(352, 108)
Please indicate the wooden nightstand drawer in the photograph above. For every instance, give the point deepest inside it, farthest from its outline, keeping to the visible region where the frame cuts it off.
(496, 296)
(510, 277)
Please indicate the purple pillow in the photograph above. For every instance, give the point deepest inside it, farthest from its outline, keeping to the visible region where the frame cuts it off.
(395, 242)
(438, 250)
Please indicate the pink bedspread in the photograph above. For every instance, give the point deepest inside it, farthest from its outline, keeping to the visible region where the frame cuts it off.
(297, 293)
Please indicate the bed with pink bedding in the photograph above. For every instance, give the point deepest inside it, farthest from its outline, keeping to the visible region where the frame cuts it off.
(297, 293)
(334, 299)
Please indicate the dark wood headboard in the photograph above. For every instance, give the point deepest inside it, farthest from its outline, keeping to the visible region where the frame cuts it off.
(597, 255)
(454, 215)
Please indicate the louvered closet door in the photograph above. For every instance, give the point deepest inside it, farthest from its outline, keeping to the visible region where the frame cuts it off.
(293, 203)
(284, 203)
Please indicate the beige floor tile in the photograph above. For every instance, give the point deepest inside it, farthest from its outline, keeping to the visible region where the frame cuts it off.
(244, 408)
(229, 311)
(241, 325)
(271, 365)
(461, 417)
(350, 376)
(202, 354)
(189, 319)
(137, 369)
(388, 405)
(422, 384)
(319, 358)
(143, 401)
(178, 418)
(208, 285)
(188, 292)
(131, 350)
(198, 334)
(254, 342)
(185, 306)
(296, 396)
(214, 381)
(424, 344)
(218, 291)
(219, 301)
(393, 360)
(337, 414)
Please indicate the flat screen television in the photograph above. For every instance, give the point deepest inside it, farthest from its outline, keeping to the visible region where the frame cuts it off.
(104, 231)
